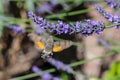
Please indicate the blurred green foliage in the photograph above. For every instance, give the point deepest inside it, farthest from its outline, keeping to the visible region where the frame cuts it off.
(114, 72)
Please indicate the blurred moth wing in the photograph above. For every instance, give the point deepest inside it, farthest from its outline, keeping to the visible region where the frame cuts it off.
(61, 45)
(44, 43)
(34, 37)
(39, 40)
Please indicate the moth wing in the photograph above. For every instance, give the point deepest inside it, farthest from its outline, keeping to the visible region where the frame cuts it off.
(57, 47)
(34, 37)
(43, 43)
(40, 44)
(61, 45)
(38, 40)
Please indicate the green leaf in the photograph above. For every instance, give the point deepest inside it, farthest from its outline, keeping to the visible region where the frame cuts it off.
(113, 70)
(64, 76)
(30, 5)
(1, 7)
(114, 41)
(118, 69)
(115, 48)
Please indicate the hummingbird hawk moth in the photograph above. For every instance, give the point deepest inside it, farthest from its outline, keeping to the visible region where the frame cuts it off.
(47, 44)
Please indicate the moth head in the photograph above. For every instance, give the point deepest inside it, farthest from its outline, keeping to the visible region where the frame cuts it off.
(46, 54)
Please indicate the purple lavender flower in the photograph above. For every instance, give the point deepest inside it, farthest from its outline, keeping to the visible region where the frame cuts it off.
(41, 22)
(45, 76)
(107, 15)
(89, 27)
(116, 20)
(86, 28)
(72, 29)
(54, 3)
(16, 28)
(62, 27)
(31, 15)
(56, 78)
(49, 7)
(99, 27)
(45, 7)
(112, 18)
(103, 42)
(113, 3)
(38, 29)
(60, 66)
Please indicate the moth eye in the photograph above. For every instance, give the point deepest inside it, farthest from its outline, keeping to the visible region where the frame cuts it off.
(57, 49)
(40, 44)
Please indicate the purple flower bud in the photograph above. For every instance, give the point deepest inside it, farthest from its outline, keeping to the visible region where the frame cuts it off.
(61, 27)
(16, 28)
(112, 18)
(38, 29)
(54, 3)
(72, 29)
(86, 29)
(36, 69)
(107, 15)
(89, 27)
(99, 27)
(45, 7)
(31, 15)
(56, 78)
(113, 3)
(60, 66)
(45, 76)
(103, 42)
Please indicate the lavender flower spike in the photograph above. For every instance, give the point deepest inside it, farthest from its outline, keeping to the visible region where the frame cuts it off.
(56, 78)
(85, 28)
(60, 66)
(115, 19)
(16, 28)
(103, 42)
(62, 27)
(46, 76)
(113, 3)
(89, 27)
(41, 22)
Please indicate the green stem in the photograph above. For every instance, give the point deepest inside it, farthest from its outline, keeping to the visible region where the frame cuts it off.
(33, 75)
(109, 26)
(1, 7)
(114, 41)
(61, 15)
(64, 0)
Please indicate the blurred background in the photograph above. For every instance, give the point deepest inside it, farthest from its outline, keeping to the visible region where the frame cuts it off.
(94, 57)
